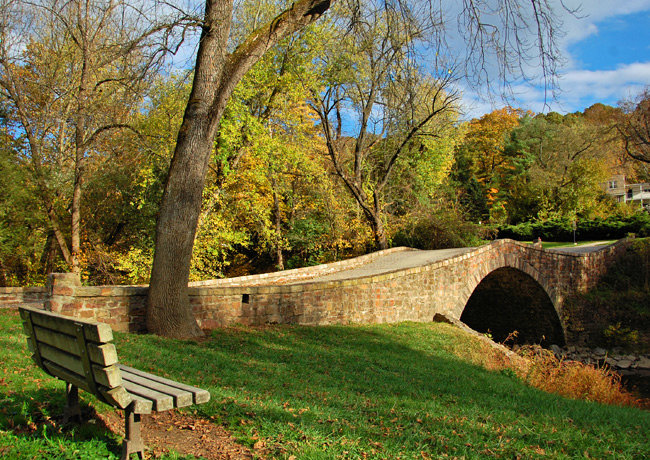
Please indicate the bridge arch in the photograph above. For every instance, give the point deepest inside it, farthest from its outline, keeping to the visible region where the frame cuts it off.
(508, 299)
(510, 281)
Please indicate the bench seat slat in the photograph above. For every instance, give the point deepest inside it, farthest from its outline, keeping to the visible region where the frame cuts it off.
(182, 398)
(141, 405)
(199, 395)
(104, 354)
(161, 401)
(107, 376)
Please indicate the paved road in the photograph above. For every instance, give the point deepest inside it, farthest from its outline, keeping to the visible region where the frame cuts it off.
(390, 263)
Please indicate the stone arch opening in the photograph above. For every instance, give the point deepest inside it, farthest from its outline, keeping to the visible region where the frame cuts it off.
(508, 300)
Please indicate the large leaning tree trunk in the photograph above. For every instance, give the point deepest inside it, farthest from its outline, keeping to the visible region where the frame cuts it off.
(217, 72)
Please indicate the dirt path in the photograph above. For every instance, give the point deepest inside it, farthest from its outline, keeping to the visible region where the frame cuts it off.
(166, 431)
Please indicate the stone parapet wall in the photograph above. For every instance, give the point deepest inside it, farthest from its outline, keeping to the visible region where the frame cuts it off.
(123, 307)
(414, 294)
(10, 296)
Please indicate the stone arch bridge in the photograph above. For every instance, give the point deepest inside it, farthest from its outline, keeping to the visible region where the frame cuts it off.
(486, 287)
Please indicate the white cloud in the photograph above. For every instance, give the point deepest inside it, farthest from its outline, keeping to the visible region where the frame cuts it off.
(608, 81)
(582, 24)
(608, 86)
(473, 107)
(580, 89)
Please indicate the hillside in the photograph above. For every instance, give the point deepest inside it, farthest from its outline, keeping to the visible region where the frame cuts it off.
(383, 391)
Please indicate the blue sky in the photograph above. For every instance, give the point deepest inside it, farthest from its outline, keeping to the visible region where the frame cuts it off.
(607, 58)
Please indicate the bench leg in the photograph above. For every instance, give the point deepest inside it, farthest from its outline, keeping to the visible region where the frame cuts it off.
(133, 436)
(72, 409)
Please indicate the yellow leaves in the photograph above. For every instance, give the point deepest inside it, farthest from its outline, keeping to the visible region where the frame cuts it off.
(486, 137)
(491, 195)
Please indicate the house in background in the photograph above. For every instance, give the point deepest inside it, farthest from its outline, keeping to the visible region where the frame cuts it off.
(621, 191)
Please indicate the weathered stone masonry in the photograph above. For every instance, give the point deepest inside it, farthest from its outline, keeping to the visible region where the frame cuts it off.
(10, 296)
(297, 297)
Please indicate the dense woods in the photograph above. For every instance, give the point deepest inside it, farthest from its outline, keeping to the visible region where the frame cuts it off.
(328, 137)
(324, 151)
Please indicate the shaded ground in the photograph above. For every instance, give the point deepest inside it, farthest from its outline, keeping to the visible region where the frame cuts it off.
(187, 435)
(379, 391)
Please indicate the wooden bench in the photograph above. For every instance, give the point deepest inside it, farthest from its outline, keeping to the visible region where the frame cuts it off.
(81, 353)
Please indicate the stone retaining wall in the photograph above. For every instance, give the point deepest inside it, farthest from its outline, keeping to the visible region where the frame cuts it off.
(215, 302)
(414, 294)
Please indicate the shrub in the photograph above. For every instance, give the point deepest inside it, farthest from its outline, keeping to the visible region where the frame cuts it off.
(446, 228)
(617, 335)
(521, 232)
(539, 368)
(614, 227)
(554, 230)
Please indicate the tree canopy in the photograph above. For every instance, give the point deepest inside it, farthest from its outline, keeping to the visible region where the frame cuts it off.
(305, 132)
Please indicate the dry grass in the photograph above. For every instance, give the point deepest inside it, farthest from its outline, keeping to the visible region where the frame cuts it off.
(573, 379)
(540, 368)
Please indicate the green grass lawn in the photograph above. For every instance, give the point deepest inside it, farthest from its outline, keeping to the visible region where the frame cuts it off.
(563, 244)
(381, 391)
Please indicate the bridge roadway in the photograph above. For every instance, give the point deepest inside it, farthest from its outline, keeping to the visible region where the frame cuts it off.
(391, 262)
(411, 258)
(584, 248)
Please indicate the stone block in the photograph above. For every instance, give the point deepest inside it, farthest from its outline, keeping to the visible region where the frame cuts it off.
(86, 314)
(88, 291)
(62, 291)
(120, 327)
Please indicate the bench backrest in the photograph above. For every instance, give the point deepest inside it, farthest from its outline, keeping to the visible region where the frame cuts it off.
(79, 352)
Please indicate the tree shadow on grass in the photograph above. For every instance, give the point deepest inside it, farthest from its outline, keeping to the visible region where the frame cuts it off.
(31, 407)
(338, 390)
(35, 418)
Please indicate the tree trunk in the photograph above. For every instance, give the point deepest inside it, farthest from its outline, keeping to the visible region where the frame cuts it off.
(215, 77)
(49, 253)
(378, 232)
(168, 311)
(56, 228)
(277, 218)
(75, 210)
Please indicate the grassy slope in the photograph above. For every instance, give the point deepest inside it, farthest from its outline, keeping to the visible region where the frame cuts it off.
(383, 391)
